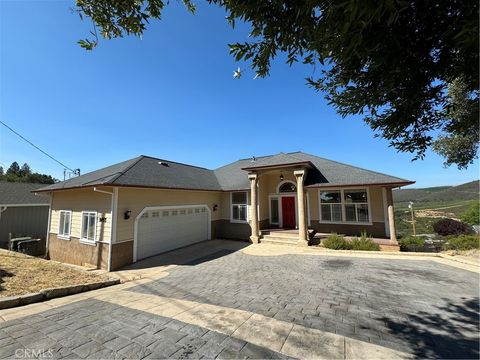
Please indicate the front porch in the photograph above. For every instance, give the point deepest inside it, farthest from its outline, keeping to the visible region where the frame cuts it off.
(291, 210)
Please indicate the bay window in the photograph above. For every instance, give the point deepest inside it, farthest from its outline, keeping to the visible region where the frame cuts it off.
(239, 206)
(344, 205)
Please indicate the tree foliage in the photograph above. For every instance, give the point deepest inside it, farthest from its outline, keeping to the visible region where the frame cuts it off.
(460, 146)
(15, 173)
(389, 61)
(472, 215)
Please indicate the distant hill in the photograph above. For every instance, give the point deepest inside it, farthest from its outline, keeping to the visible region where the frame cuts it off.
(467, 191)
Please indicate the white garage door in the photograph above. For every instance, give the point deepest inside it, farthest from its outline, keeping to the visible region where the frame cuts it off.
(166, 228)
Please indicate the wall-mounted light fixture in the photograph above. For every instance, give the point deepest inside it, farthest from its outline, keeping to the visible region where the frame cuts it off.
(103, 219)
(281, 176)
(126, 214)
(215, 207)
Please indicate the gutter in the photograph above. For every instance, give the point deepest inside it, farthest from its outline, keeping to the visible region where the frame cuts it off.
(113, 233)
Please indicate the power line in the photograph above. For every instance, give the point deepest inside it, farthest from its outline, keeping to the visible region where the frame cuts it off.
(35, 146)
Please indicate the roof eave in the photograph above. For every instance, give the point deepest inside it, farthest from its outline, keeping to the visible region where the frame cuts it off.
(392, 184)
(131, 186)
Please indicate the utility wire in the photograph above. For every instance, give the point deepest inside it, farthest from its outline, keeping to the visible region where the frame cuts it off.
(35, 146)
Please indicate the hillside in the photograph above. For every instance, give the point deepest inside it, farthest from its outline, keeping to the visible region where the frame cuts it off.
(432, 204)
(467, 191)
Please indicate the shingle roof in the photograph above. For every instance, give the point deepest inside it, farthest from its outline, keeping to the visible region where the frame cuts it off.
(274, 160)
(145, 171)
(12, 193)
(331, 173)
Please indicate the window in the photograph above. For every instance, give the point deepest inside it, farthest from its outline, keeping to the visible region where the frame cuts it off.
(287, 186)
(89, 226)
(275, 216)
(239, 206)
(65, 223)
(331, 206)
(356, 205)
(344, 206)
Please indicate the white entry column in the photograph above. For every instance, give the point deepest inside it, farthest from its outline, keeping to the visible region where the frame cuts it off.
(302, 223)
(253, 213)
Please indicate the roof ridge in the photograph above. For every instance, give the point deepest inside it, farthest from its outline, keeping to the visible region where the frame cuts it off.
(125, 170)
(175, 162)
(353, 166)
(256, 157)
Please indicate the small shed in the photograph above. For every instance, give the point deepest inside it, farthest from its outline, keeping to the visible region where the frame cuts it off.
(22, 212)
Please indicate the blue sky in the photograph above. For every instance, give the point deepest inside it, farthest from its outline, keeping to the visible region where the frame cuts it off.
(169, 95)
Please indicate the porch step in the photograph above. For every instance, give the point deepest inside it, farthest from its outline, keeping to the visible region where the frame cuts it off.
(278, 240)
(281, 235)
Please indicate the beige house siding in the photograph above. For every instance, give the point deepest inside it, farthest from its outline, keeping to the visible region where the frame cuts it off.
(83, 200)
(136, 199)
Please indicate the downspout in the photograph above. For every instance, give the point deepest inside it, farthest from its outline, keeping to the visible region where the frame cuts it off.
(50, 195)
(113, 209)
(2, 209)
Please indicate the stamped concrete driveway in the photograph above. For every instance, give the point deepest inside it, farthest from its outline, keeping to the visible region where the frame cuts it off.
(228, 302)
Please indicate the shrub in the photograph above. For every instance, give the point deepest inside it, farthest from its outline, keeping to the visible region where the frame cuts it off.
(364, 243)
(336, 242)
(412, 241)
(462, 242)
(409, 243)
(472, 215)
(451, 227)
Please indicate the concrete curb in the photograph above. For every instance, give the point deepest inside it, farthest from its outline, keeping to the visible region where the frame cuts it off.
(460, 260)
(378, 253)
(46, 294)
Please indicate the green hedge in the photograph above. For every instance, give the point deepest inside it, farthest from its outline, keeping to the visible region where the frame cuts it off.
(364, 243)
(462, 242)
(412, 240)
(337, 242)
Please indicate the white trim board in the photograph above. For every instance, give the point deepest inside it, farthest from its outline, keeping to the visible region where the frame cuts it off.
(342, 203)
(23, 205)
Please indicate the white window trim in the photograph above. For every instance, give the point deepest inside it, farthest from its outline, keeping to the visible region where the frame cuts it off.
(280, 215)
(270, 197)
(232, 220)
(64, 236)
(84, 240)
(343, 203)
(284, 182)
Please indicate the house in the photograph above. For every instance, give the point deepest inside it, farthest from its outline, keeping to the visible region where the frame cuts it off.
(144, 206)
(22, 213)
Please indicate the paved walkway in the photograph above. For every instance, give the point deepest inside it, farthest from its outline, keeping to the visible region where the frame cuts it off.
(225, 301)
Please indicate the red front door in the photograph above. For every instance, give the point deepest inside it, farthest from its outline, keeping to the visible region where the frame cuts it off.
(288, 211)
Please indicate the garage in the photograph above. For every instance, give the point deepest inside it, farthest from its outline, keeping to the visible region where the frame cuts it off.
(164, 228)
